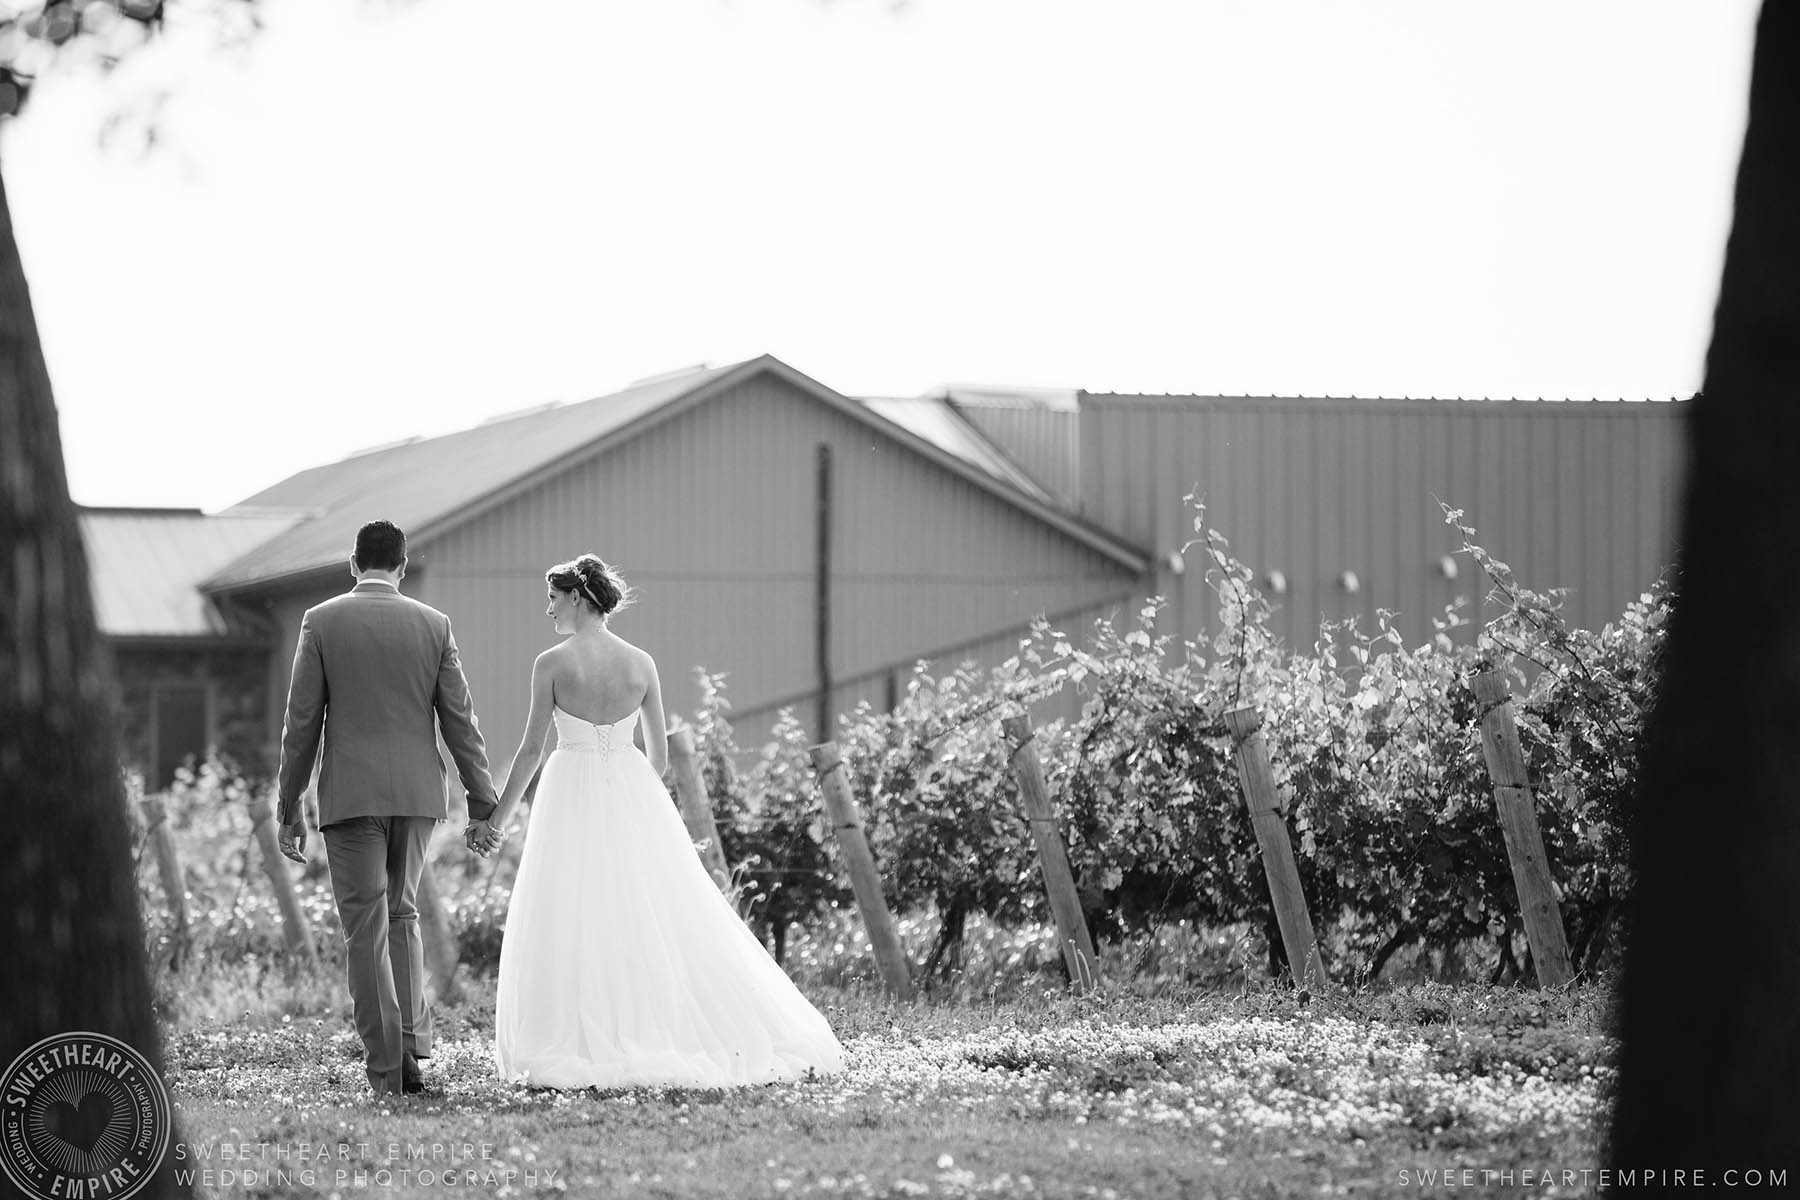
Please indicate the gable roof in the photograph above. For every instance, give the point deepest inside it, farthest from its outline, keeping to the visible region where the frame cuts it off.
(1065, 400)
(146, 565)
(939, 423)
(418, 482)
(428, 486)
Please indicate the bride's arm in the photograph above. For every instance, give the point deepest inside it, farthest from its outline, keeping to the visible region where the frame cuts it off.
(530, 754)
(656, 734)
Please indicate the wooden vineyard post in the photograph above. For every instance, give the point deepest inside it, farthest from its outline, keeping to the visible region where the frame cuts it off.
(696, 806)
(1518, 824)
(168, 870)
(1053, 857)
(441, 954)
(1257, 778)
(299, 937)
(865, 881)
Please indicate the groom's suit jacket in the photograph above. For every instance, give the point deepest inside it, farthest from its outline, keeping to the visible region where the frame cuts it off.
(376, 676)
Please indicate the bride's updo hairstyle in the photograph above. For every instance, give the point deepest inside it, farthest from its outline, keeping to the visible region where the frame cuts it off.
(600, 587)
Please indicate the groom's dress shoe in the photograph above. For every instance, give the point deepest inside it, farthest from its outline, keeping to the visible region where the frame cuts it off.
(410, 1078)
(390, 1084)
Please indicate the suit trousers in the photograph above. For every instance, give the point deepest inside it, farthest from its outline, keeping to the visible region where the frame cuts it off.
(375, 867)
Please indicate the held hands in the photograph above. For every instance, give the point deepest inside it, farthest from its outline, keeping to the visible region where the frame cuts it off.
(291, 840)
(483, 837)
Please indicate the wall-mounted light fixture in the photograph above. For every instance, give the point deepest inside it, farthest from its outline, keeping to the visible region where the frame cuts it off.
(1446, 566)
(1349, 582)
(1276, 583)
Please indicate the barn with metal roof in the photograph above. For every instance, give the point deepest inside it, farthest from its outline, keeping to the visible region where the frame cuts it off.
(813, 546)
(193, 669)
(809, 546)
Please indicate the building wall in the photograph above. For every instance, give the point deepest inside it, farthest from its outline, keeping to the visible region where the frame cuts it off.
(1575, 495)
(284, 609)
(236, 680)
(1045, 441)
(711, 516)
(752, 724)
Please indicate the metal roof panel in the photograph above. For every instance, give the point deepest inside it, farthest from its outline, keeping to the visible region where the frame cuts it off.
(420, 482)
(145, 566)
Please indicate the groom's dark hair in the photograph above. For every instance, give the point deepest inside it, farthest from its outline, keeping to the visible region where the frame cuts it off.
(380, 546)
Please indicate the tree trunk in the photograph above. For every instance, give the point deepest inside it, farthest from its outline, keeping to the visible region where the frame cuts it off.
(75, 957)
(1401, 937)
(1590, 963)
(1710, 1071)
(1506, 967)
(1278, 959)
(946, 951)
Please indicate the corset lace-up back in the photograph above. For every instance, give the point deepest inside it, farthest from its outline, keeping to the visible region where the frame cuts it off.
(572, 733)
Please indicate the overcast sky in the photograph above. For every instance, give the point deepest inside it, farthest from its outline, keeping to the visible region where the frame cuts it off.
(390, 219)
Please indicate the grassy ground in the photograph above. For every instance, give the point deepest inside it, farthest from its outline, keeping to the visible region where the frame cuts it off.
(1186, 1091)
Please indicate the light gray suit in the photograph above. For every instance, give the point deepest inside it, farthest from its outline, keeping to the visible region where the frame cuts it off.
(376, 677)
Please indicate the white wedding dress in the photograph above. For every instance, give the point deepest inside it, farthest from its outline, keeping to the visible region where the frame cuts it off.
(622, 963)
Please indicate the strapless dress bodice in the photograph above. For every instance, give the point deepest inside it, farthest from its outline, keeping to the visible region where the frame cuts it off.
(572, 733)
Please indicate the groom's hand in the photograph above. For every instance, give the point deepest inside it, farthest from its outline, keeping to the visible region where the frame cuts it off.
(481, 837)
(292, 840)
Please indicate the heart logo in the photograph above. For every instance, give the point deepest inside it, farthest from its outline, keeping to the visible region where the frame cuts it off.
(80, 1125)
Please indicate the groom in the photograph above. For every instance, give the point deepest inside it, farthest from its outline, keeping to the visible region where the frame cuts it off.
(376, 676)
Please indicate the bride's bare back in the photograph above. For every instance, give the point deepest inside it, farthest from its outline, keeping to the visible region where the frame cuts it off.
(594, 676)
(600, 678)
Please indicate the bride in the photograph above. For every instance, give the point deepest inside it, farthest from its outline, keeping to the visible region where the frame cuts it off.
(622, 964)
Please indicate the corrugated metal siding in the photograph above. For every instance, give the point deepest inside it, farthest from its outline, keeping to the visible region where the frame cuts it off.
(1576, 495)
(423, 480)
(1044, 441)
(752, 725)
(938, 423)
(711, 516)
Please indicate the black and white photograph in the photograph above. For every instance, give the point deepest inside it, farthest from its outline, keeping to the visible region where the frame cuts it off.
(889, 599)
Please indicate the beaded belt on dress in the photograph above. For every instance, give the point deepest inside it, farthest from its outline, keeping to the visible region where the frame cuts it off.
(603, 747)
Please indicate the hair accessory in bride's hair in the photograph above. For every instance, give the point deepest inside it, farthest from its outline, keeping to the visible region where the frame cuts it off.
(598, 583)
